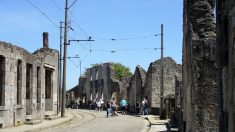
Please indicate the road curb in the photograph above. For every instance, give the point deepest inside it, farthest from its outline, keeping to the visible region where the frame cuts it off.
(147, 125)
(42, 126)
(56, 124)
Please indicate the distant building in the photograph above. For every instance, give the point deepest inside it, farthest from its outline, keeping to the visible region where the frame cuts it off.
(148, 85)
(99, 83)
(153, 83)
(28, 83)
(135, 91)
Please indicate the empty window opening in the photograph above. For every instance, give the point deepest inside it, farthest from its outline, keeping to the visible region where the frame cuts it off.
(38, 85)
(91, 84)
(19, 81)
(48, 84)
(102, 83)
(28, 80)
(96, 84)
(2, 80)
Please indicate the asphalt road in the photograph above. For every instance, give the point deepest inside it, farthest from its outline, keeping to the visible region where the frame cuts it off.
(92, 121)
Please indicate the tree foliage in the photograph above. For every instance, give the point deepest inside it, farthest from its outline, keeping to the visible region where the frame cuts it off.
(96, 64)
(121, 71)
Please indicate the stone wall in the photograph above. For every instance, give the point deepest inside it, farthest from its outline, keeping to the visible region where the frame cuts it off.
(23, 95)
(153, 79)
(136, 88)
(179, 97)
(201, 92)
(225, 57)
(99, 83)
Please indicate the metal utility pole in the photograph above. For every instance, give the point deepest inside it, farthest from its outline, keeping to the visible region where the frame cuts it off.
(65, 59)
(80, 63)
(162, 74)
(60, 70)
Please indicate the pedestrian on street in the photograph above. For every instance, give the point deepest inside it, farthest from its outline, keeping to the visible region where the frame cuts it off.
(98, 104)
(80, 103)
(102, 104)
(137, 107)
(114, 107)
(90, 104)
(108, 108)
(145, 106)
(123, 106)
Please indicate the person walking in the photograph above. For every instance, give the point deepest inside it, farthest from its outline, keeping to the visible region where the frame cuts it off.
(108, 108)
(123, 106)
(114, 107)
(102, 104)
(98, 104)
(137, 107)
(145, 106)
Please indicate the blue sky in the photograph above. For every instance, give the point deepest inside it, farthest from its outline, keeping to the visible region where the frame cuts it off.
(132, 23)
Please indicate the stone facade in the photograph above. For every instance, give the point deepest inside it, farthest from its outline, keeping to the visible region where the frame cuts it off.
(28, 85)
(200, 85)
(179, 99)
(99, 83)
(136, 88)
(152, 90)
(225, 56)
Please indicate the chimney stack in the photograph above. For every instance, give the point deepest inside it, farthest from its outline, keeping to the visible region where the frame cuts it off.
(45, 40)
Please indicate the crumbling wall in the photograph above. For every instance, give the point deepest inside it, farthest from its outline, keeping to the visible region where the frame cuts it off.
(199, 67)
(136, 88)
(179, 96)
(153, 81)
(98, 83)
(225, 57)
(15, 101)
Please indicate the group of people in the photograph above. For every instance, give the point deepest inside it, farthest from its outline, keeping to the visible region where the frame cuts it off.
(143, 107)
(140, 108)
(111, 106)
(97, 104)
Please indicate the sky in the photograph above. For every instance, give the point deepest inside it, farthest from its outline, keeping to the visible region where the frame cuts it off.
(127, 27)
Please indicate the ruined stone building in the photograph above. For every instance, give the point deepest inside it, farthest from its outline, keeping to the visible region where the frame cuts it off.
(225, 20)
(136, 88)
(179, 106)
(99, 83)
(201, 92)
(72, 95)
(28, 83)
(153, 79)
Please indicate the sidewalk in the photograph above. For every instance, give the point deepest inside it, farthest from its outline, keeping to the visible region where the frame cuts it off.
(45, 124)
(156, 125)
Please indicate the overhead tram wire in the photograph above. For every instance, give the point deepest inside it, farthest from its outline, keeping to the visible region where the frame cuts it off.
(44, 14)
(72, 4)
(120, 50)
(72, 21)
(73, 62)
(130, 38)
(59, 8)
(85, 34)
(55, 3)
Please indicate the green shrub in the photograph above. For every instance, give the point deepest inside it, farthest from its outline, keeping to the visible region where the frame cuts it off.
(120, 71)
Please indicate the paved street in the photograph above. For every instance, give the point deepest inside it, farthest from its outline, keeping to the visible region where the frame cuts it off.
(91, 121)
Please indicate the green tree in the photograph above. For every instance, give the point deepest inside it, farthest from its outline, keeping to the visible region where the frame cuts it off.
(121, 71)
(95, 65)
